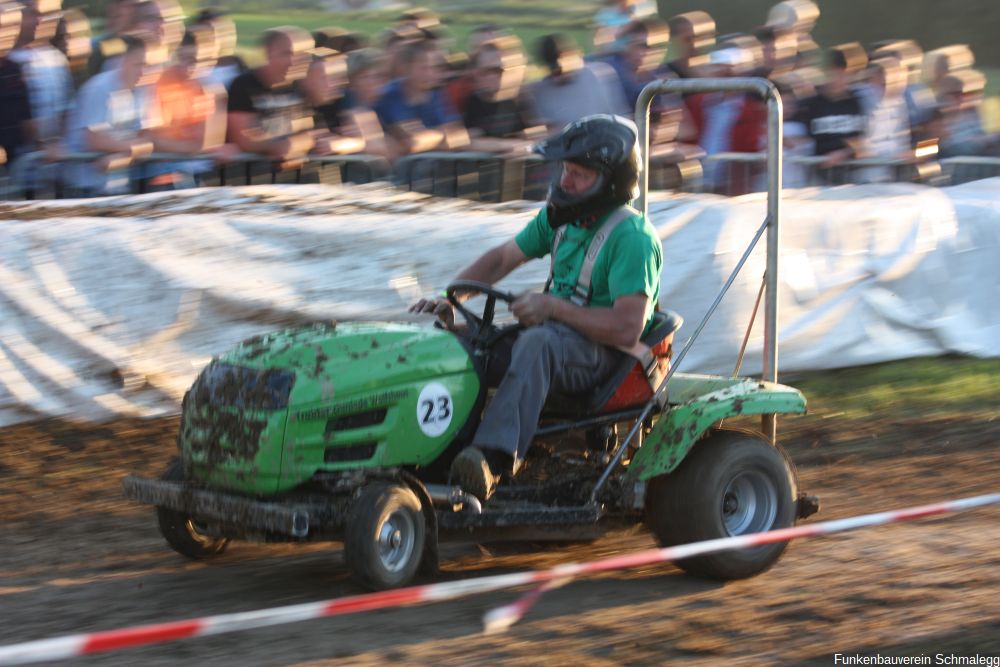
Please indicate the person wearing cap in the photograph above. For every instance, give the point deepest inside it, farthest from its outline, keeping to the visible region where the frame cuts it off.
(570, 341)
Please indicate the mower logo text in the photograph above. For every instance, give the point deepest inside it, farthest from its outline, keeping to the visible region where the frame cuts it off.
(354, 405)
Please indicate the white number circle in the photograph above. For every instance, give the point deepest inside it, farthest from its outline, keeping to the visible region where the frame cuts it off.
(434, 409)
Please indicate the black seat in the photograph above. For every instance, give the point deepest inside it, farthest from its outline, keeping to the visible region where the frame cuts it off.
(665, 323)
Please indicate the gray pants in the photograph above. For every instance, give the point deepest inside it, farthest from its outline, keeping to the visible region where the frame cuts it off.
(552, 356)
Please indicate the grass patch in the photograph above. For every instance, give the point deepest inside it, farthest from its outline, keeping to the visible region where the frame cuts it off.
(929, 386)
(249, 27)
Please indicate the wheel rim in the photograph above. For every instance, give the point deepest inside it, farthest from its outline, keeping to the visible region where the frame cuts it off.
(396, 537)
(749, 504)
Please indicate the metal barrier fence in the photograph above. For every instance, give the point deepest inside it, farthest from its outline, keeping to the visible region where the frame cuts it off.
(494, 178)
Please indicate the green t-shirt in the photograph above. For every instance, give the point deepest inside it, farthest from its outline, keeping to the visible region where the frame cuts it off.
(629, 263)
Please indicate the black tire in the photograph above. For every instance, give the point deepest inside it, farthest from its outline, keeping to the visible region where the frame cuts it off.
(384, 540)
(181, 531)
(732, 483)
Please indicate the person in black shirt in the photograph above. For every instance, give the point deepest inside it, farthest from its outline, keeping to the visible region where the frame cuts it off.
(835, 117)
(499, 115)
(15, 112)
(267, 115)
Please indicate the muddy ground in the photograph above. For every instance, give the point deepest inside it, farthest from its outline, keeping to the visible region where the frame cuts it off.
(75, 557)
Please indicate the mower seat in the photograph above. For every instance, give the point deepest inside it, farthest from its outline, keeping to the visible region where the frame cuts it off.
(626, 386)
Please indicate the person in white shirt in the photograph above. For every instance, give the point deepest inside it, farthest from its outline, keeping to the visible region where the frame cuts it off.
(887, 126)
(113, 111)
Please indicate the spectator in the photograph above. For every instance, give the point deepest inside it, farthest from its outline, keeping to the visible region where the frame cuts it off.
(414, 110)
(228, 65)
(108, 44)
(72, 39)
(460, 86)
(191, 113)
(323, 88)
(939, 63)
(887, 134)
(574, 89)
(643, 44)
(267, 115)
(834, 116)
(728, 122)
(112, 115)
(15, 110)
(694, 35)
(920, 100)
(46, 70)
(499, 114)
(960, 99)
(366, 76)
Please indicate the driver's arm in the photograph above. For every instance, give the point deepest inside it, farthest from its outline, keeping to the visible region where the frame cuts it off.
(618, 326)
(491, 267)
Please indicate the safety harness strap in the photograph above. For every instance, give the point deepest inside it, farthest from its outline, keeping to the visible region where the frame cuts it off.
(583, 291)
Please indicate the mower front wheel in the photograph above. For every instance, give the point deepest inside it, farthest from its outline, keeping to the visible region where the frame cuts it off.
(182, 532)
(384, 540)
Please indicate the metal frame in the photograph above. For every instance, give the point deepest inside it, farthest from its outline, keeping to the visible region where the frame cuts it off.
(769, 92)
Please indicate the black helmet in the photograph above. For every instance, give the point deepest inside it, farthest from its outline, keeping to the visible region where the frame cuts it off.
(602, 142)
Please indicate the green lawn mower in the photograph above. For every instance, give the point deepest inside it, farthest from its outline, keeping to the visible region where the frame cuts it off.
(345, 432)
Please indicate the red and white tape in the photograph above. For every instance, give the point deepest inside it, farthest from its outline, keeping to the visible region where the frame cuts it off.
(71, 646)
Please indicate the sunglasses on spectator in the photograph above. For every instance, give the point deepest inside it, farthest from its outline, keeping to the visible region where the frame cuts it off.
(491, 70)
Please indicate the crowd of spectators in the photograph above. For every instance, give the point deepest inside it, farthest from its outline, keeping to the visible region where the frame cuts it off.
(156, 82)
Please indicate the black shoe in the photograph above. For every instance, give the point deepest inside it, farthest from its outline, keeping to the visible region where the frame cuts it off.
(478, 471)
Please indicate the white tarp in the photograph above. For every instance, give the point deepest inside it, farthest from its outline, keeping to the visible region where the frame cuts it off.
(111, 306)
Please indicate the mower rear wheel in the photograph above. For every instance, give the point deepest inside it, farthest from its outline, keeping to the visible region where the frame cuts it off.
(384, 540)
(183, 533)
(732, 483)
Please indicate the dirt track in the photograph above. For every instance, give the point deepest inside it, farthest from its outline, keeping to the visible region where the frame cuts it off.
(74, 557)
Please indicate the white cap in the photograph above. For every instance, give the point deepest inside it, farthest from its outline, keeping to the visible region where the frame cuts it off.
(731, 55)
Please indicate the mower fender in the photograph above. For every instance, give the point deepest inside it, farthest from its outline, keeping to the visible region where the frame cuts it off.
(684, 423)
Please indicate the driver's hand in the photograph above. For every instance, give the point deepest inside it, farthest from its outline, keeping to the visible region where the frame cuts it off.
(440, 307)
(532, 308)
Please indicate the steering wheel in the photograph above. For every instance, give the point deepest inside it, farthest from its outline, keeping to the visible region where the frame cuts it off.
(482, 332)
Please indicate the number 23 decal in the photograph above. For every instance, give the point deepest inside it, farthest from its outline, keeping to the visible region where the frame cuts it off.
(434, 409)
(443, 409)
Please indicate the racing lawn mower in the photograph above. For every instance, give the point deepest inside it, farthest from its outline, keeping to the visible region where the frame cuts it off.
(345, 432)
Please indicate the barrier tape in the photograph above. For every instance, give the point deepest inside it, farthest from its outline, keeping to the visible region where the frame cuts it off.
(70, 646)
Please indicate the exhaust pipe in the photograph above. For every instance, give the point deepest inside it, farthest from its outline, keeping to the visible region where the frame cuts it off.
(454, 497)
